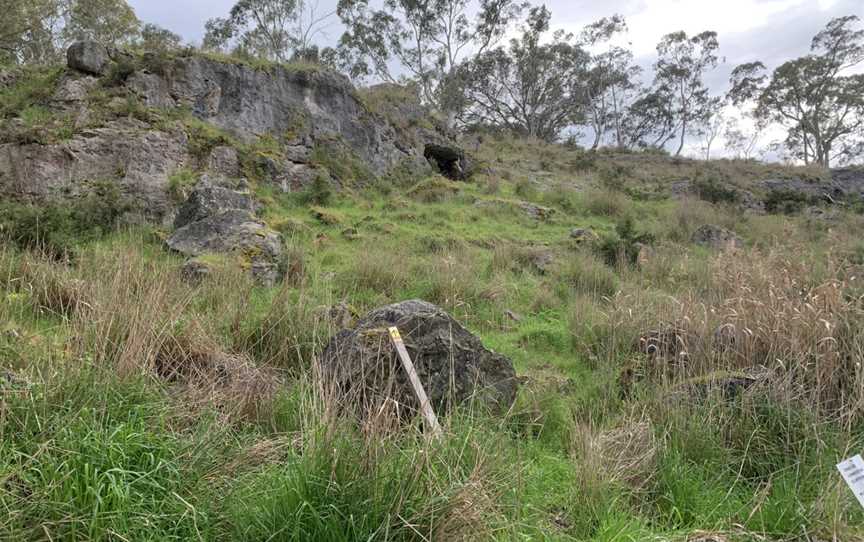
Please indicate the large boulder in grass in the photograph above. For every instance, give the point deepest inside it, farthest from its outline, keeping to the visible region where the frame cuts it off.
(219, 220)
(716, 237)
(88, 57)
(453, 365)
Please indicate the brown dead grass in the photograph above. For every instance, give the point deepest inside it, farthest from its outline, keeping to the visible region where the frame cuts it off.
(797, 313)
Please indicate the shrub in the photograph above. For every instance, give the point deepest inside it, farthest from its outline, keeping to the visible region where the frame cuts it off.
(526, 189)
(623, 246)
(119, 71)
(788, 201)
(583, 161)
(204, 137)
(319, 192)
(32, 87)
(341, 162)
(614, 176)
(57, 228)
(715, 191)
(180, 183)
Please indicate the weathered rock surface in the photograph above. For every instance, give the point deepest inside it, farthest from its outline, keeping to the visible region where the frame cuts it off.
(583, 235)
(139, 160)
(73, 90)
(453, 364)
(531, 210)
(88, 57)
(716, 237)
(537, 212)
(209, 199)
(310, 112)
(224, 161)
(218, 220)
(844, 183)
(316, 104)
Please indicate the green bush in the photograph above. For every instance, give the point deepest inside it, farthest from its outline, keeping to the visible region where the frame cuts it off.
(56, 228)
(614, 176)
(787, 201)
(715, 191)
(34, 86)
(180, 183)
(623, 246)
(341, 162)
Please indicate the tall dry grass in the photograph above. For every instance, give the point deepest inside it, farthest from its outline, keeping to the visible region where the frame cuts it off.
(792, 315)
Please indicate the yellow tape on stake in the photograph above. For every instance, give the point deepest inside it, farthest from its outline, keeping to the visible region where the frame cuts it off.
(425, 406)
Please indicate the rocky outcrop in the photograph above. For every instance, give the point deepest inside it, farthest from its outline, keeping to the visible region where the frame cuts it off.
(307, 105)
(218, 220)
(126, 152)
(537, 212)
(715, 237)
(88, 57)
(583, 235)
(845, 183)
(209, 199)
(530, 210)
(314, 116)
(453, 364)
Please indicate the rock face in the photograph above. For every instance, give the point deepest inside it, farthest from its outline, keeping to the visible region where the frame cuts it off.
(844, 183)
(139, 160)
(716, 237)
(453, 365)
(218, 220)
(310, 105)
(314, 115)
(88, 57)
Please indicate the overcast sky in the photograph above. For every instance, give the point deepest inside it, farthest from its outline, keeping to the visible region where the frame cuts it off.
(768, 30)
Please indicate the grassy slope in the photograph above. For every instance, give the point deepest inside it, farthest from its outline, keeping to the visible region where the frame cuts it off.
(94, 446)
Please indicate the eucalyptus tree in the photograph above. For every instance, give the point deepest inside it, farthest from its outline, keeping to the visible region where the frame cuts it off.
(422, 40)
(30, 31)
(649, 122)
(681, 66)
(156, 38)
(815, 97)
(111, 22)
(274, 30)
(527, 87)
(611, 81)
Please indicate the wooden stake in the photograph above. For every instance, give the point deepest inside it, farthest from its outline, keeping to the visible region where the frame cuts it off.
(425, 406)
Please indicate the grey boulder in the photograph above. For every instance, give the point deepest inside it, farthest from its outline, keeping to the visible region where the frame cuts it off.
(453, 365)
(716, 237)
(209, 199)
(218, 220)
(88, 57)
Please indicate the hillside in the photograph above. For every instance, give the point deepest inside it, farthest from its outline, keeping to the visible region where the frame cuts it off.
(184, 234)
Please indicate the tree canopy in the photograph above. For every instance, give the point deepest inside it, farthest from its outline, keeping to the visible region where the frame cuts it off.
(813, 97)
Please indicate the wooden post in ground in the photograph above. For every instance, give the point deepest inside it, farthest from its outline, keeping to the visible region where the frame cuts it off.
(425, 406)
